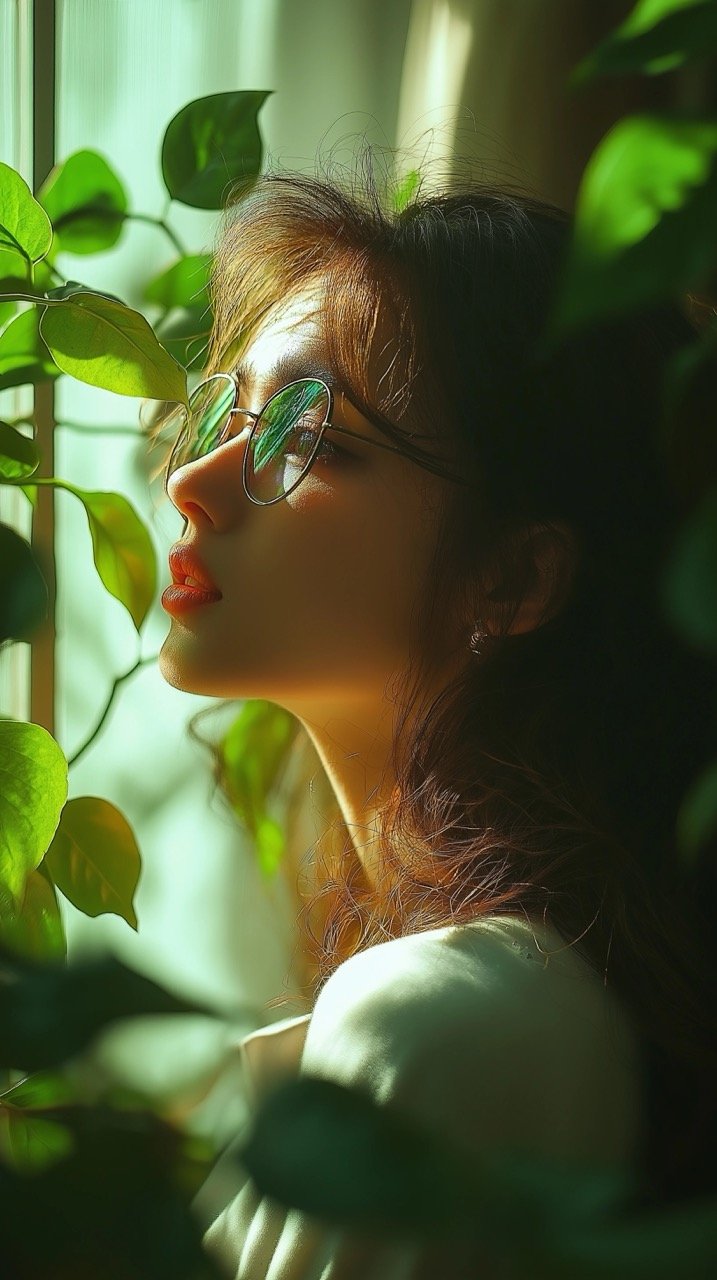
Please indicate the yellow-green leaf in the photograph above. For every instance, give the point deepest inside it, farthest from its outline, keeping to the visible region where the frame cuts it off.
(30, 1143)
(23, 355)
(33, 790)
(34, 928)
(24, 225)
(94, 858)
(107, 344)
(644, 220)
(122, 549)
(656, 36)
(254, 751)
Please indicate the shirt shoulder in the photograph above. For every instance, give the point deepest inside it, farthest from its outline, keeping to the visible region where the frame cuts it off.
(491, 1032)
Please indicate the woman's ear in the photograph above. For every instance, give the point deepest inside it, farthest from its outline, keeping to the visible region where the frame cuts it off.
(549, 558)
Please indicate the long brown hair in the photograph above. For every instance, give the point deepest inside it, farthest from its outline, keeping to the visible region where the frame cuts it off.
(545, 778)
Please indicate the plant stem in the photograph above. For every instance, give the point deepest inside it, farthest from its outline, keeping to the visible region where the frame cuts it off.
(160, 222)
(118, 681)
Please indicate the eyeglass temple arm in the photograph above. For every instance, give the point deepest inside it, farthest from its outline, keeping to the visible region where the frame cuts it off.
(438, 470)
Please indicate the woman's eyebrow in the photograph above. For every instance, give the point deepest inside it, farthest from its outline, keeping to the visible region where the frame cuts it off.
(288, 368)
(297, 364)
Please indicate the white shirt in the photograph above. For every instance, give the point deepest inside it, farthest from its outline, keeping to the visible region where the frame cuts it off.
(479, 1034)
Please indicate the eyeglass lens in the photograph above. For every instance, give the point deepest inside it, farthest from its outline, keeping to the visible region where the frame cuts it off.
(284, 440)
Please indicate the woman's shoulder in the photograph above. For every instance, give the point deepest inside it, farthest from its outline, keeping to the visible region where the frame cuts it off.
(497, 1028)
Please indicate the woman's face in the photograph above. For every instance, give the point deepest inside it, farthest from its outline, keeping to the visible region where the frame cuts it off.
(318, 589)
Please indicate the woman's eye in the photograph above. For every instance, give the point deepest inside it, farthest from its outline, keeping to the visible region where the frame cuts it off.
(303, 442)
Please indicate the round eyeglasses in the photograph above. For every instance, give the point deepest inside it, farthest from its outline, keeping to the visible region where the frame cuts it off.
(285, 439)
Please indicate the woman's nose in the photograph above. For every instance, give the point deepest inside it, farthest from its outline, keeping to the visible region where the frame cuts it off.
(212, 482)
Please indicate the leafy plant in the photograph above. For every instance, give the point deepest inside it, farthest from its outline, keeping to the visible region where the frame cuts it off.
(60, 1127)
(109, 1180)
(84, 847)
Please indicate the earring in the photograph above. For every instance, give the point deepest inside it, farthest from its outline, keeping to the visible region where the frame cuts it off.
(477, 640)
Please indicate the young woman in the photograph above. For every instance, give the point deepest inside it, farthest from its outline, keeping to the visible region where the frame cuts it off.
(440, 552)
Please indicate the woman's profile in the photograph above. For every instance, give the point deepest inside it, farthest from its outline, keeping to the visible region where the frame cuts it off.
(439, 551)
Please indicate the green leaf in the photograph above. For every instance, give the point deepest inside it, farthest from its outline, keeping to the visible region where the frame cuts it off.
(34, 790)
(30, 1143)
(42, 1089)
(657, 36)
(72, 287)
(212, 143)
(109, 345)
(14, 267)
(122, 549)
(185, 284)
(330, 1151)
(24, 225)
(24, 590)
(334, 1152)
(7, 311)
(51, 1012)
(23, 355)
(18, 453)
(86, 203)
(644, 220)
(688, 589)
(270, 845)
(34, 928)
(94, 859)
(30, 491)
(253, 753)
(406, 190)
(697, 816)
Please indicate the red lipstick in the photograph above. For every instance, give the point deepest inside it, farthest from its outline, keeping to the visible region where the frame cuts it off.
(181, 595)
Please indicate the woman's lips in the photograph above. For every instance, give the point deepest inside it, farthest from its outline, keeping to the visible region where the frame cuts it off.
(185, 563)
(179, 597)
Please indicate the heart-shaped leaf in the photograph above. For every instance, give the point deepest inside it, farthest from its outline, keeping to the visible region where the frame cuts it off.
(184, 284)
(109, 345)
(33, 928)
(656, 36)
(24, 225)
(94, 859)
(24, 599)
(23, 355)
(644, 221)
(123, 551)
(34, 790)
(86, 203)
(211, 144)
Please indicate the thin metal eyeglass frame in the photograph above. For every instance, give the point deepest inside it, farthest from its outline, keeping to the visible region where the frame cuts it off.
(327, 424)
